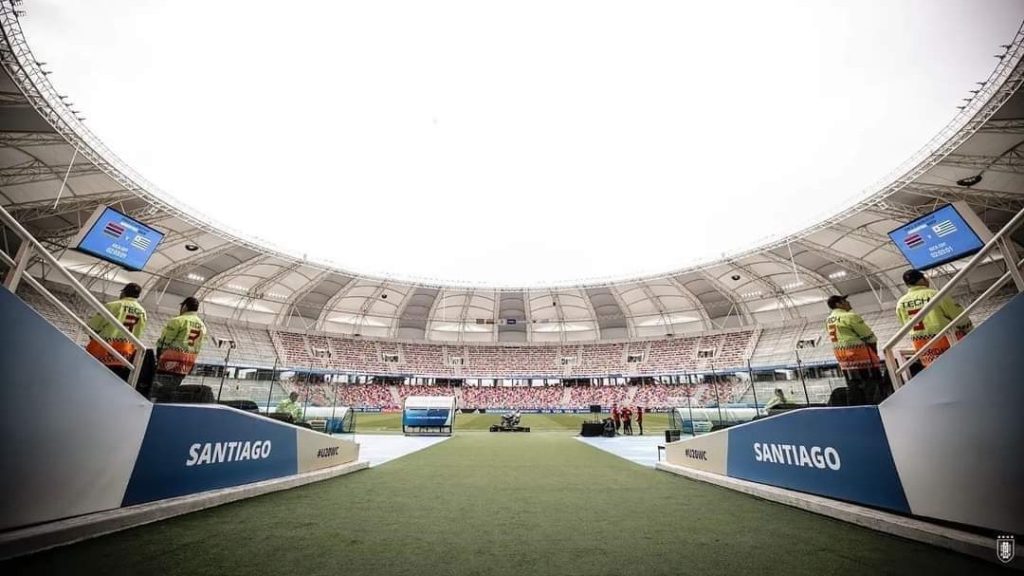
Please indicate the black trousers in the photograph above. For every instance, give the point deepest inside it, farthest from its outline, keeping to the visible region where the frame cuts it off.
(866, 386)
(122, 372)
(145, 381)
(164, 386)
(640, 423)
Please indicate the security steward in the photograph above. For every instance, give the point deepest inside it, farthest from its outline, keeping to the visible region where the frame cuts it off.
(291, 406)
(919, 293)
(132, 317)
(856, 350)
(179, 346)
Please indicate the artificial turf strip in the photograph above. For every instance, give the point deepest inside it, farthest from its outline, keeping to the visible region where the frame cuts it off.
(495, 504)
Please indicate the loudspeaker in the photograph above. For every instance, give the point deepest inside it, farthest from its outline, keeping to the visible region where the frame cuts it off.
(595, 408)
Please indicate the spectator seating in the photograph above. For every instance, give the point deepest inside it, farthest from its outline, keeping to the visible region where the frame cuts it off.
(721, 351)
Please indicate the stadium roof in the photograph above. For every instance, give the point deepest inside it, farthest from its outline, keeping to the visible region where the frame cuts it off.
(54, 172)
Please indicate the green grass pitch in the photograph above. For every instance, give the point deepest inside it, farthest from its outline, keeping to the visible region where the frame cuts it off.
(500, 504)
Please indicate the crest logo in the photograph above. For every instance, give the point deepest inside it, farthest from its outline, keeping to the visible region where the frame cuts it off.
(1005, 549)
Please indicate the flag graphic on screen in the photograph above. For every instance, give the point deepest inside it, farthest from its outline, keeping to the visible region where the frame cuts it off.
(113, 229)
(140, 242)
(913, 240)
(944, 228)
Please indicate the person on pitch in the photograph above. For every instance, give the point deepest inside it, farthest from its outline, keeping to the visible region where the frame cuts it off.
(617, 417)
(778, 398)
(640, 419)
(291, 406)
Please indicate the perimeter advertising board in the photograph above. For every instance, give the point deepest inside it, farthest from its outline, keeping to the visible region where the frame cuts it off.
(839, 453)
(190, 449)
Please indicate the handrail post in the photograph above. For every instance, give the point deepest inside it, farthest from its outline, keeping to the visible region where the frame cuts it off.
(1010, 257)
(21, 259)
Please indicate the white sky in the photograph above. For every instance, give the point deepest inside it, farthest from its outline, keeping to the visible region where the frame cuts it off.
(517, 143)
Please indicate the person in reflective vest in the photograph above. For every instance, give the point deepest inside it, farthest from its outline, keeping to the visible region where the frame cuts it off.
(919, 293)
(856, 350)
(179, 344)
(778, 397)
(132, 316)
(291, 406)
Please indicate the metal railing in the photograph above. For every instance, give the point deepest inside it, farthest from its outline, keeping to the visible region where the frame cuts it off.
(18, 271)
(1000, 240)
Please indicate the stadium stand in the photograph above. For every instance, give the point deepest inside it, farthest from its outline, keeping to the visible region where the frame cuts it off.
(765, 347)
(521, 397)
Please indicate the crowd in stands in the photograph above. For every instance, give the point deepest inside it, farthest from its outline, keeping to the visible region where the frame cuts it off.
(262, 347)
(406, 391)
(687, 354)
(521, 397)
(583, 396)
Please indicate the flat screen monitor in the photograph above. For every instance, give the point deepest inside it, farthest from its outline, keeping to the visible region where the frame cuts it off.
(947, 234)
(110, 235)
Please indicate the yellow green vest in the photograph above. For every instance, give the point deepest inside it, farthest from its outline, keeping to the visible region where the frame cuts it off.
(131, 315)
(850, 337)
(180, 343)
(933, 322)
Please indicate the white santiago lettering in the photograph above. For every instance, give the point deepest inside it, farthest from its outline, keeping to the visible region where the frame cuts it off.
(218, 452)
(798, 455)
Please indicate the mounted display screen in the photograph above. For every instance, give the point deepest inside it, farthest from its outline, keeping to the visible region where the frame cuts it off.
(110, 235)
(946, 234)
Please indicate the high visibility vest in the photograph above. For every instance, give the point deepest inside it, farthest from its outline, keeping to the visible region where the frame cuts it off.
(851, 339)
(288, 407)
(938, 318)
(132, 316)
(180, 343)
